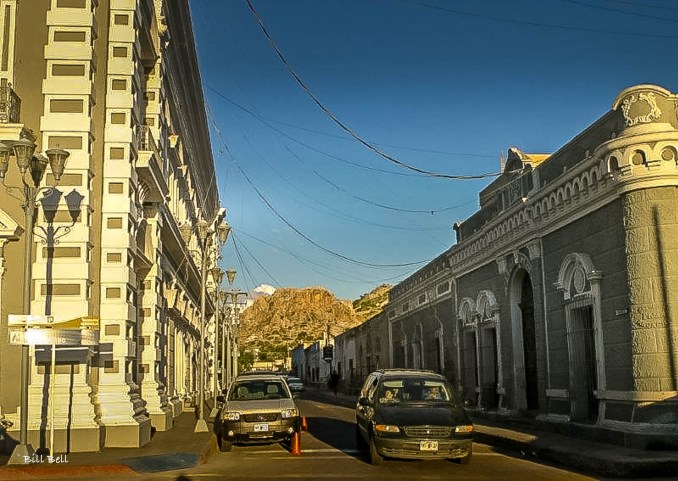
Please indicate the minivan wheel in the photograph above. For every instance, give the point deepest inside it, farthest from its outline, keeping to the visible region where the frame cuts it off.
(376, 459)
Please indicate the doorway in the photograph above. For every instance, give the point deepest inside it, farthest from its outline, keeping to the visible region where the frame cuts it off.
(529, 343)
(583, 377)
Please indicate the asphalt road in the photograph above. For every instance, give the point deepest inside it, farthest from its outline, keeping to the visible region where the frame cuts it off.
(329, 453)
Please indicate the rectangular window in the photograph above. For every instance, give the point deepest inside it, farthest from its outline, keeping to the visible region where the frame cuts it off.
(64, 142)
(112, 293)
(150, 121)
(112, 329)
(115, 187)
(65, 70)
(114, 223)
(68, 36)
(117, 153)
(60, 289)
(61, 252)
(118, 118)
(66, 106)
(114, 257)
(120, 52)
(119, 84)
(71, 3)
(121, 19)
(150, 96)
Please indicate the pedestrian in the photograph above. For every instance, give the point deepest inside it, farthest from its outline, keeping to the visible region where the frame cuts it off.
(334, 381)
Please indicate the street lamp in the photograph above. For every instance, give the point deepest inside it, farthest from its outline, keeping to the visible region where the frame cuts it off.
(35, 167)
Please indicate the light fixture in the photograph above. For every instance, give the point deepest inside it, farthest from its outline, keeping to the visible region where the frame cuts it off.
(223, 230)
(23, 149)
(230, 275)
(186, 230)
(57, 161)
(203, 228)
(217, 275)
(5, 152)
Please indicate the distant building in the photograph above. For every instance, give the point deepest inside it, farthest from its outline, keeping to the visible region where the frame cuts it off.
(560, 298)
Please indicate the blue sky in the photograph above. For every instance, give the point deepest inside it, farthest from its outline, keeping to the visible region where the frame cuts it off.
(442, 85)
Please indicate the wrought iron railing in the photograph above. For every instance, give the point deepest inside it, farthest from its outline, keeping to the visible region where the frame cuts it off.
(10, 104)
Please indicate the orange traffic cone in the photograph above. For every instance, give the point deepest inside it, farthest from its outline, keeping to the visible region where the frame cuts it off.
(296, 444)
(304, 426)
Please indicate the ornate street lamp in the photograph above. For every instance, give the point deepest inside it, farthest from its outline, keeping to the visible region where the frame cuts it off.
(32, 169)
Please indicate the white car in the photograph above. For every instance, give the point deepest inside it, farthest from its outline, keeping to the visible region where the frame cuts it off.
(295, 384)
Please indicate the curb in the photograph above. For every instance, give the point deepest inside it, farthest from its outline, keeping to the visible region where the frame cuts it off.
(609, 463)
(210, 449)
(39, 472)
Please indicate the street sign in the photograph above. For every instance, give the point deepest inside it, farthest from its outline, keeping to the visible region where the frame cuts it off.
(35, 330)
(58, 337)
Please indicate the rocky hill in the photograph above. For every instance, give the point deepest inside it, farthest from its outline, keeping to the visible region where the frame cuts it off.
(372, 303)
(291, 316)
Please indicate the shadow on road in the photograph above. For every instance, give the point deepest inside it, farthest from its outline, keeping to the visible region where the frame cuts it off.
(336, 433)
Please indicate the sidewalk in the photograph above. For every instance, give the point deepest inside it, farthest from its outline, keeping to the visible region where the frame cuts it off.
(178, 448)
(583, 455)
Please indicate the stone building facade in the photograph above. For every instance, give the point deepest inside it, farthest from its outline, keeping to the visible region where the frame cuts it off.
(560, 298)
(116, 84)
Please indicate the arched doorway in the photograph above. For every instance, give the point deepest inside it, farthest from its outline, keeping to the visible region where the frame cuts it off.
(524, 341)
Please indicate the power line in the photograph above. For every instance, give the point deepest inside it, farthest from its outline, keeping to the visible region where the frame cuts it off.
(235, 239)
(538, 24)
(341, 137)
(623, 12)
(309, 147)
(292, 226)
(343, 126)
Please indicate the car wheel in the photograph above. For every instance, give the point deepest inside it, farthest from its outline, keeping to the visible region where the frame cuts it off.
(360, 443)
(224, 446)
(376, 459)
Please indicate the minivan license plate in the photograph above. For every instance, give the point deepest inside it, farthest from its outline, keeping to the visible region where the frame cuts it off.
(428, 445)
(259, 428)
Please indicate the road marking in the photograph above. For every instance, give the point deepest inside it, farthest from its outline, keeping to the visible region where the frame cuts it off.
(331, 450)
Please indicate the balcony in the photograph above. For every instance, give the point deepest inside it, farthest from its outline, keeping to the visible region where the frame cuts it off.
(10, 104)
(148, 166)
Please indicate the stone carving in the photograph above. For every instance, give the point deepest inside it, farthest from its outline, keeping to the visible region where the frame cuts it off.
(652, 115)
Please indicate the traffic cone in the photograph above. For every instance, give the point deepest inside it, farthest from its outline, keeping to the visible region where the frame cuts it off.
(296, 443)
(304, 426)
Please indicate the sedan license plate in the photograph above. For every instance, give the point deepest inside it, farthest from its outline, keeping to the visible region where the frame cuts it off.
(428, 445)
(260, 428)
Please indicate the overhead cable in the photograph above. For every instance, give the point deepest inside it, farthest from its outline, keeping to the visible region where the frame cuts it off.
(343, 126)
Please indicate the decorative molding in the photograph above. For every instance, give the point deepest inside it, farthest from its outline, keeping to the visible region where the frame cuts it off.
(576, 271)
(652, 115)
(534, 249)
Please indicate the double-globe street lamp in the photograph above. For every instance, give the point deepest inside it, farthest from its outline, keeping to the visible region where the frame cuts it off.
(205, 232)
(32, 168)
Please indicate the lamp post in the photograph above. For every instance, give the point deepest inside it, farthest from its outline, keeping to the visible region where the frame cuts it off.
(217, 275)
(32, 169)
(226, 342)
(205, 234)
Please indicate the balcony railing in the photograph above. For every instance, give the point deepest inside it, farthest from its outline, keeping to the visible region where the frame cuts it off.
(10, 104)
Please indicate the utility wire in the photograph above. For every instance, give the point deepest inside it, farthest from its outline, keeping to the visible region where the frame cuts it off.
(340, 137)
(309, 147)
(538, 24)
(647, 5)
(288, 223)
(310, 262)
(623, 12)
(343, 126)
(237, 240)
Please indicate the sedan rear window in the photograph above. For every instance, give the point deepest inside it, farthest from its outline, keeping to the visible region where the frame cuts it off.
(252, 390)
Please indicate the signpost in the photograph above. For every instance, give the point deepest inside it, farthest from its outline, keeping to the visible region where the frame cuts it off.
(34, 330)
